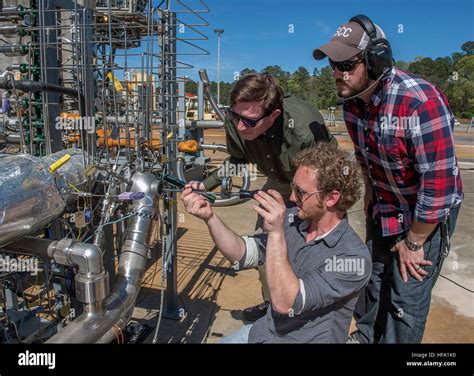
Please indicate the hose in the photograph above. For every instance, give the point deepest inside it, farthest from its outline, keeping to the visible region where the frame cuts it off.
(36, 86)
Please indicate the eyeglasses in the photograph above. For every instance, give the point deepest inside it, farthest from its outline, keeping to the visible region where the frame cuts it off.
(344, 66)
(300, 195)
(247, 122)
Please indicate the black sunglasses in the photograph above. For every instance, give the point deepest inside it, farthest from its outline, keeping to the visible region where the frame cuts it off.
(344, 66)
(300, 195)
(247, 122)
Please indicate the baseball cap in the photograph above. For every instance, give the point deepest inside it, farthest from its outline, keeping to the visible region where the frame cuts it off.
(348, 41)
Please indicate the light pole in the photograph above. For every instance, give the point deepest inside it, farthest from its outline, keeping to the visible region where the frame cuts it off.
(219, 32)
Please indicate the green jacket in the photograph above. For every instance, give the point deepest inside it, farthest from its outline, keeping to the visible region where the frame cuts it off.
(300, 126)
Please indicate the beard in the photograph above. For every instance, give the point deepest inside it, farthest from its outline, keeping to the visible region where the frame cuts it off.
(348, 89)
(315, 212)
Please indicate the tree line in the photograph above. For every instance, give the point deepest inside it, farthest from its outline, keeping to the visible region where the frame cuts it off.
(454, 75)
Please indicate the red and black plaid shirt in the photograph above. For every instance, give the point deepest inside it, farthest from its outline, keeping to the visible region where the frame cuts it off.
(404, 142)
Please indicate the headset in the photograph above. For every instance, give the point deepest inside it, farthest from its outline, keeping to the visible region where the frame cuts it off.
(378, 53)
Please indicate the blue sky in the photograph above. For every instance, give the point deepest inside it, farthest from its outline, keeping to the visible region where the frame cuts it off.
(257, 31)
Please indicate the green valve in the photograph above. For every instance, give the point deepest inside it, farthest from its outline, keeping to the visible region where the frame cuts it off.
(33, 19)
(21, 10)
(38, 113)
(25, 103)
(22, 31)
(24, 68)
(23, 49)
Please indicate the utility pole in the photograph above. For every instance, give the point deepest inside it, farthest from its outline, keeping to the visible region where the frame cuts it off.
(219, 32)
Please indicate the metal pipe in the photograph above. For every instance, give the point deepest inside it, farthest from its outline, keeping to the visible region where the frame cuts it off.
(11, 30)
(204, 124)
(214, 147)
(191, 124)
(207, 90)
(87, 257)
(94, 326)
(14, 138)
(12, 122)
(9, 9)
(91, 281)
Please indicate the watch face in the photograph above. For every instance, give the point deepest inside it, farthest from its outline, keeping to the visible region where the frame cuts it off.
(412, 245)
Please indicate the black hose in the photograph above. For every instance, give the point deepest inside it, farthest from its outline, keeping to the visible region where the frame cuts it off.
(445, 231)
(36, 86)
(30, 246)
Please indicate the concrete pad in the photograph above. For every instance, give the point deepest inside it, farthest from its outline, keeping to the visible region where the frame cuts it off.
(213, 294)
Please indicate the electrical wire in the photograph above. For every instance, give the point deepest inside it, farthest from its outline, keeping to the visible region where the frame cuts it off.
(110, 223)
(160, 313)
(457, 284)
(164, 257)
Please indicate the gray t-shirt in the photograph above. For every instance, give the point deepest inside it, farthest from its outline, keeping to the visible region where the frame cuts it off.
(332, 272)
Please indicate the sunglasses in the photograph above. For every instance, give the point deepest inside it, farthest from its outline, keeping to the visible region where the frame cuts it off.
(246, 121)
(300, 195)
(344, 66)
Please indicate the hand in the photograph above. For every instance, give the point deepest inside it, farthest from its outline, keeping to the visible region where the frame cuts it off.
(197, 185)
(411, 261)
(272, 210)
(196, 204)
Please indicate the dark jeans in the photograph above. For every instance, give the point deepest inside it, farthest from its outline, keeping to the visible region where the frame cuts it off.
(390, 310)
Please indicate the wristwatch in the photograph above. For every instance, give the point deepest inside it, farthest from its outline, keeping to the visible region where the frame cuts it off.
(412, 246)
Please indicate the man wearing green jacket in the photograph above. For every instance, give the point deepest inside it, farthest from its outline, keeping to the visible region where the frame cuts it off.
(265, 128)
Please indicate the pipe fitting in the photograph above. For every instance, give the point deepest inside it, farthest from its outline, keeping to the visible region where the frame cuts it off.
(97, 321)
(92, 281)
(92, 289)
(87, 257)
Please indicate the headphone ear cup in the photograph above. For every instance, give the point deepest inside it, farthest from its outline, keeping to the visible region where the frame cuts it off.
(379, 59)
(369, 62)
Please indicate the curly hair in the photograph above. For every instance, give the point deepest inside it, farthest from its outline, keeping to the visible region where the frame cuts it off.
(335, 171)
(256, 87)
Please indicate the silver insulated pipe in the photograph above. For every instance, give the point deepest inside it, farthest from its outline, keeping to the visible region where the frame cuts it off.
(97, 321)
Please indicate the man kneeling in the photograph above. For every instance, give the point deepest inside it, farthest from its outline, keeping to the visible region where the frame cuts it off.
(316, 265)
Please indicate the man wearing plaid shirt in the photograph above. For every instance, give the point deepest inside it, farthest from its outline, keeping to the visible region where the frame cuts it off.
(402, 129)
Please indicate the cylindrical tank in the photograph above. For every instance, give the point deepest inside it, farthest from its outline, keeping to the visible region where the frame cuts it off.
(30, 195)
